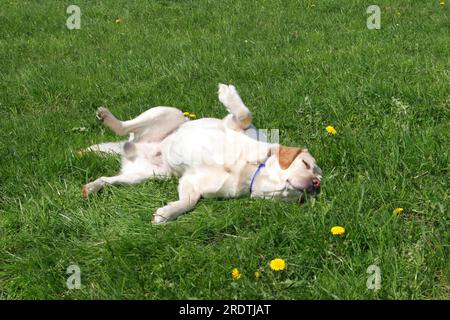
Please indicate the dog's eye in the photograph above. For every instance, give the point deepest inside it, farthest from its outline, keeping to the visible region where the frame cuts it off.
(306, 164)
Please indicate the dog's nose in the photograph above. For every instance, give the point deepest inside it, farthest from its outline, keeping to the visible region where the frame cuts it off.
(316, 182)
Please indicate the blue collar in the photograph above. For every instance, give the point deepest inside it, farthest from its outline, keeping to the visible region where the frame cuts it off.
(262, 165)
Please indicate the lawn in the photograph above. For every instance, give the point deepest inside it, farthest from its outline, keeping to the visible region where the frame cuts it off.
(299, 66)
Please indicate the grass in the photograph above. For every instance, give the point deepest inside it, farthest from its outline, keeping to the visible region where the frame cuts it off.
(300, 66)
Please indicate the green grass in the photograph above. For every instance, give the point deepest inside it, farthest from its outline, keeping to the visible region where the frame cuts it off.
(299, 66)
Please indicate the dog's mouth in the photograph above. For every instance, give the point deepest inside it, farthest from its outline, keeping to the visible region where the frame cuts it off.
(311, 190)
(294, 187)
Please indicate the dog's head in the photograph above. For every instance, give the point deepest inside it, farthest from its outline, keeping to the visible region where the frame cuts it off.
(301, 171)
(296, 171)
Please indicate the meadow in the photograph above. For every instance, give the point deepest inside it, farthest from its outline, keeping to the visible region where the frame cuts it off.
(300, 66)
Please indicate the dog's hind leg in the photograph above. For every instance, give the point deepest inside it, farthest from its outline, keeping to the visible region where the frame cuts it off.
(111, 121)
(123, 179)
(150, 126)
(240, 117)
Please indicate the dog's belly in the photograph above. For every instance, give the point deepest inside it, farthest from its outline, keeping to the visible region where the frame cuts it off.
(209, 143)
(202, 143)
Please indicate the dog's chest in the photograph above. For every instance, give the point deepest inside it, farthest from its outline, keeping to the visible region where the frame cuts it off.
(236, 182)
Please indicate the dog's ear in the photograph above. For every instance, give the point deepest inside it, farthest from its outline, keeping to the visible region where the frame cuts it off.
(286, 155)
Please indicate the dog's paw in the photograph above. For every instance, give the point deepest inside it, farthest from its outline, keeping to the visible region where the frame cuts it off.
(79, 152)
(89, 188)
(85, 191)
(223, 93)
(223, 88)
(158, 218)
(228, 95)
(102, 113)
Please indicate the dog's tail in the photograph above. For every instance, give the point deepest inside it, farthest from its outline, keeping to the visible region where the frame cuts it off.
(115, 148)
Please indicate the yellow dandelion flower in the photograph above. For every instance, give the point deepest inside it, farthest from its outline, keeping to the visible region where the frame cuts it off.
(236, 274)
(337, 231)
(331, 130)
(442, 3)
(190, 115)
(257, 274)
(398, 211)
(117, 21)
(277, 264)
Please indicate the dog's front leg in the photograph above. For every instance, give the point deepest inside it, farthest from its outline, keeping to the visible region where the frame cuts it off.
(189, 196)
(240, 118)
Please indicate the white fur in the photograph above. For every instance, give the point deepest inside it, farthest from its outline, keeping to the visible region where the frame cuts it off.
(214, 158)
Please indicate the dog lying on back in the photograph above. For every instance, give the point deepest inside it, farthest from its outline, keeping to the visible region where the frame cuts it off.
(214, 158)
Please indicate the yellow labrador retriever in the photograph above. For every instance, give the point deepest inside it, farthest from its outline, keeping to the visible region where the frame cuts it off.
(214, 158)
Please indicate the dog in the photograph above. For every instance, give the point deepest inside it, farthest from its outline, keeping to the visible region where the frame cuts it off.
(213, 158)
